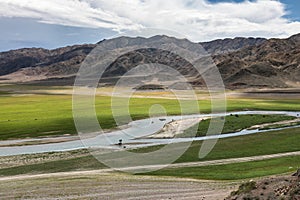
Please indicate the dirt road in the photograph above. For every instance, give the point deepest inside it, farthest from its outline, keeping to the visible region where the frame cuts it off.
(92, 185)
(153, 167)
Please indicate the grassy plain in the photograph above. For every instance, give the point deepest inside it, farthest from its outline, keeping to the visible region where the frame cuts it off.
(31, 112)
(34, 112)
(235, 171)
(242, 146)
(67, 165)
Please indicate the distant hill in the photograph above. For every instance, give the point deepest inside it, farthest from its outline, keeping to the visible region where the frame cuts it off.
(243, 62)
(230, 45)
(274, 63)
(37, 63)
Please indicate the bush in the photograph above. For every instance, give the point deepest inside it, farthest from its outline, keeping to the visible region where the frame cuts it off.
(250, 198)
(295, 192)
(245, 188)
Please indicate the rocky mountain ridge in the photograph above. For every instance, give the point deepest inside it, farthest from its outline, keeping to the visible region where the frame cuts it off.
(242, 62)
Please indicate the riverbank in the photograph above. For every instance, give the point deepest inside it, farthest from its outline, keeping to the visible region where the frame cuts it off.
(134, 135)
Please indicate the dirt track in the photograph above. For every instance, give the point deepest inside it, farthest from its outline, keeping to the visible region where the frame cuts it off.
(92, 185)
(153, 167)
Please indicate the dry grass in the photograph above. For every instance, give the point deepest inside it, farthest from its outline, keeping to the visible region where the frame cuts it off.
(91, 185)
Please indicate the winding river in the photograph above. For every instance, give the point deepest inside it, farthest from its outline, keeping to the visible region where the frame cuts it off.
(134, 135)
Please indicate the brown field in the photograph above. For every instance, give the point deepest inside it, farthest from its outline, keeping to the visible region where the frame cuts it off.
(95, 185)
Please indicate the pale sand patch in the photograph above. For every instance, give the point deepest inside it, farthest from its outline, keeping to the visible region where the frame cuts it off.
(176, 127)
(286, 122)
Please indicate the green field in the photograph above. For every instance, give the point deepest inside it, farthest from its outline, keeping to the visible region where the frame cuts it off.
(24, 114)
(235, 171)
(74, 164)
(214, 172)
(242, 146)
(38, 115)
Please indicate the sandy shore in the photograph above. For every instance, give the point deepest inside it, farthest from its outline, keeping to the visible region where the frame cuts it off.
(176, 127)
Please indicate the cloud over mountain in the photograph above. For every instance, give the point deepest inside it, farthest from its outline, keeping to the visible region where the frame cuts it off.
(198, 20)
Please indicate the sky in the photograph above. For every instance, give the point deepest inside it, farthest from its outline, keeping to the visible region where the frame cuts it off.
(57, 23)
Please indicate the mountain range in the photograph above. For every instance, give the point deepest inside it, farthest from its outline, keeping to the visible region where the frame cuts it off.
(242, 62)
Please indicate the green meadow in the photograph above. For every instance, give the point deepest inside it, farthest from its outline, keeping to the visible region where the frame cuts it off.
(34, 115)
(242, 146)
(235, 171)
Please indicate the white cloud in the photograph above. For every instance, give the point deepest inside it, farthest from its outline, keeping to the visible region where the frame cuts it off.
(65, 12)
(199, 20)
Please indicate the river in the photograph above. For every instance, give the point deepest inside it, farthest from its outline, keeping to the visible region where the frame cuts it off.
(134, 135)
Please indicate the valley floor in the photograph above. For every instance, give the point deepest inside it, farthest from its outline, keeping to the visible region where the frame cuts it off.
(97, 185)
(78, 175)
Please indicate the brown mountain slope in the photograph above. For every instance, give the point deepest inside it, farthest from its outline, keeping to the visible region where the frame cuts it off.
(31, 62)
(230, 45)
(274, 63)
(27, 65)
(249, 63)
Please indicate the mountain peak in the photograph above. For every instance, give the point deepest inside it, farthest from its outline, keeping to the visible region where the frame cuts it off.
(295, 38)
(227, 45)
(243, 62)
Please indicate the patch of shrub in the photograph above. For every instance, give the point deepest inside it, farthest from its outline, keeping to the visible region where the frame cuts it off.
(250, 198)
(245, 188)
(295, 192)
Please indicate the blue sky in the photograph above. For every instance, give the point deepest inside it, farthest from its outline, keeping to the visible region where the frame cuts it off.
(293, 6)
(57, 23)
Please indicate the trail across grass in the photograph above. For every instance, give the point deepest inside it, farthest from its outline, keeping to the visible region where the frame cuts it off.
(235, 171)
(243, 146)
(74, 164)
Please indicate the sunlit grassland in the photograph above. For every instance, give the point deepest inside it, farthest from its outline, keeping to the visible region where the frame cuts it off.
(242, 146)
(235, 171)
(34, 115)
